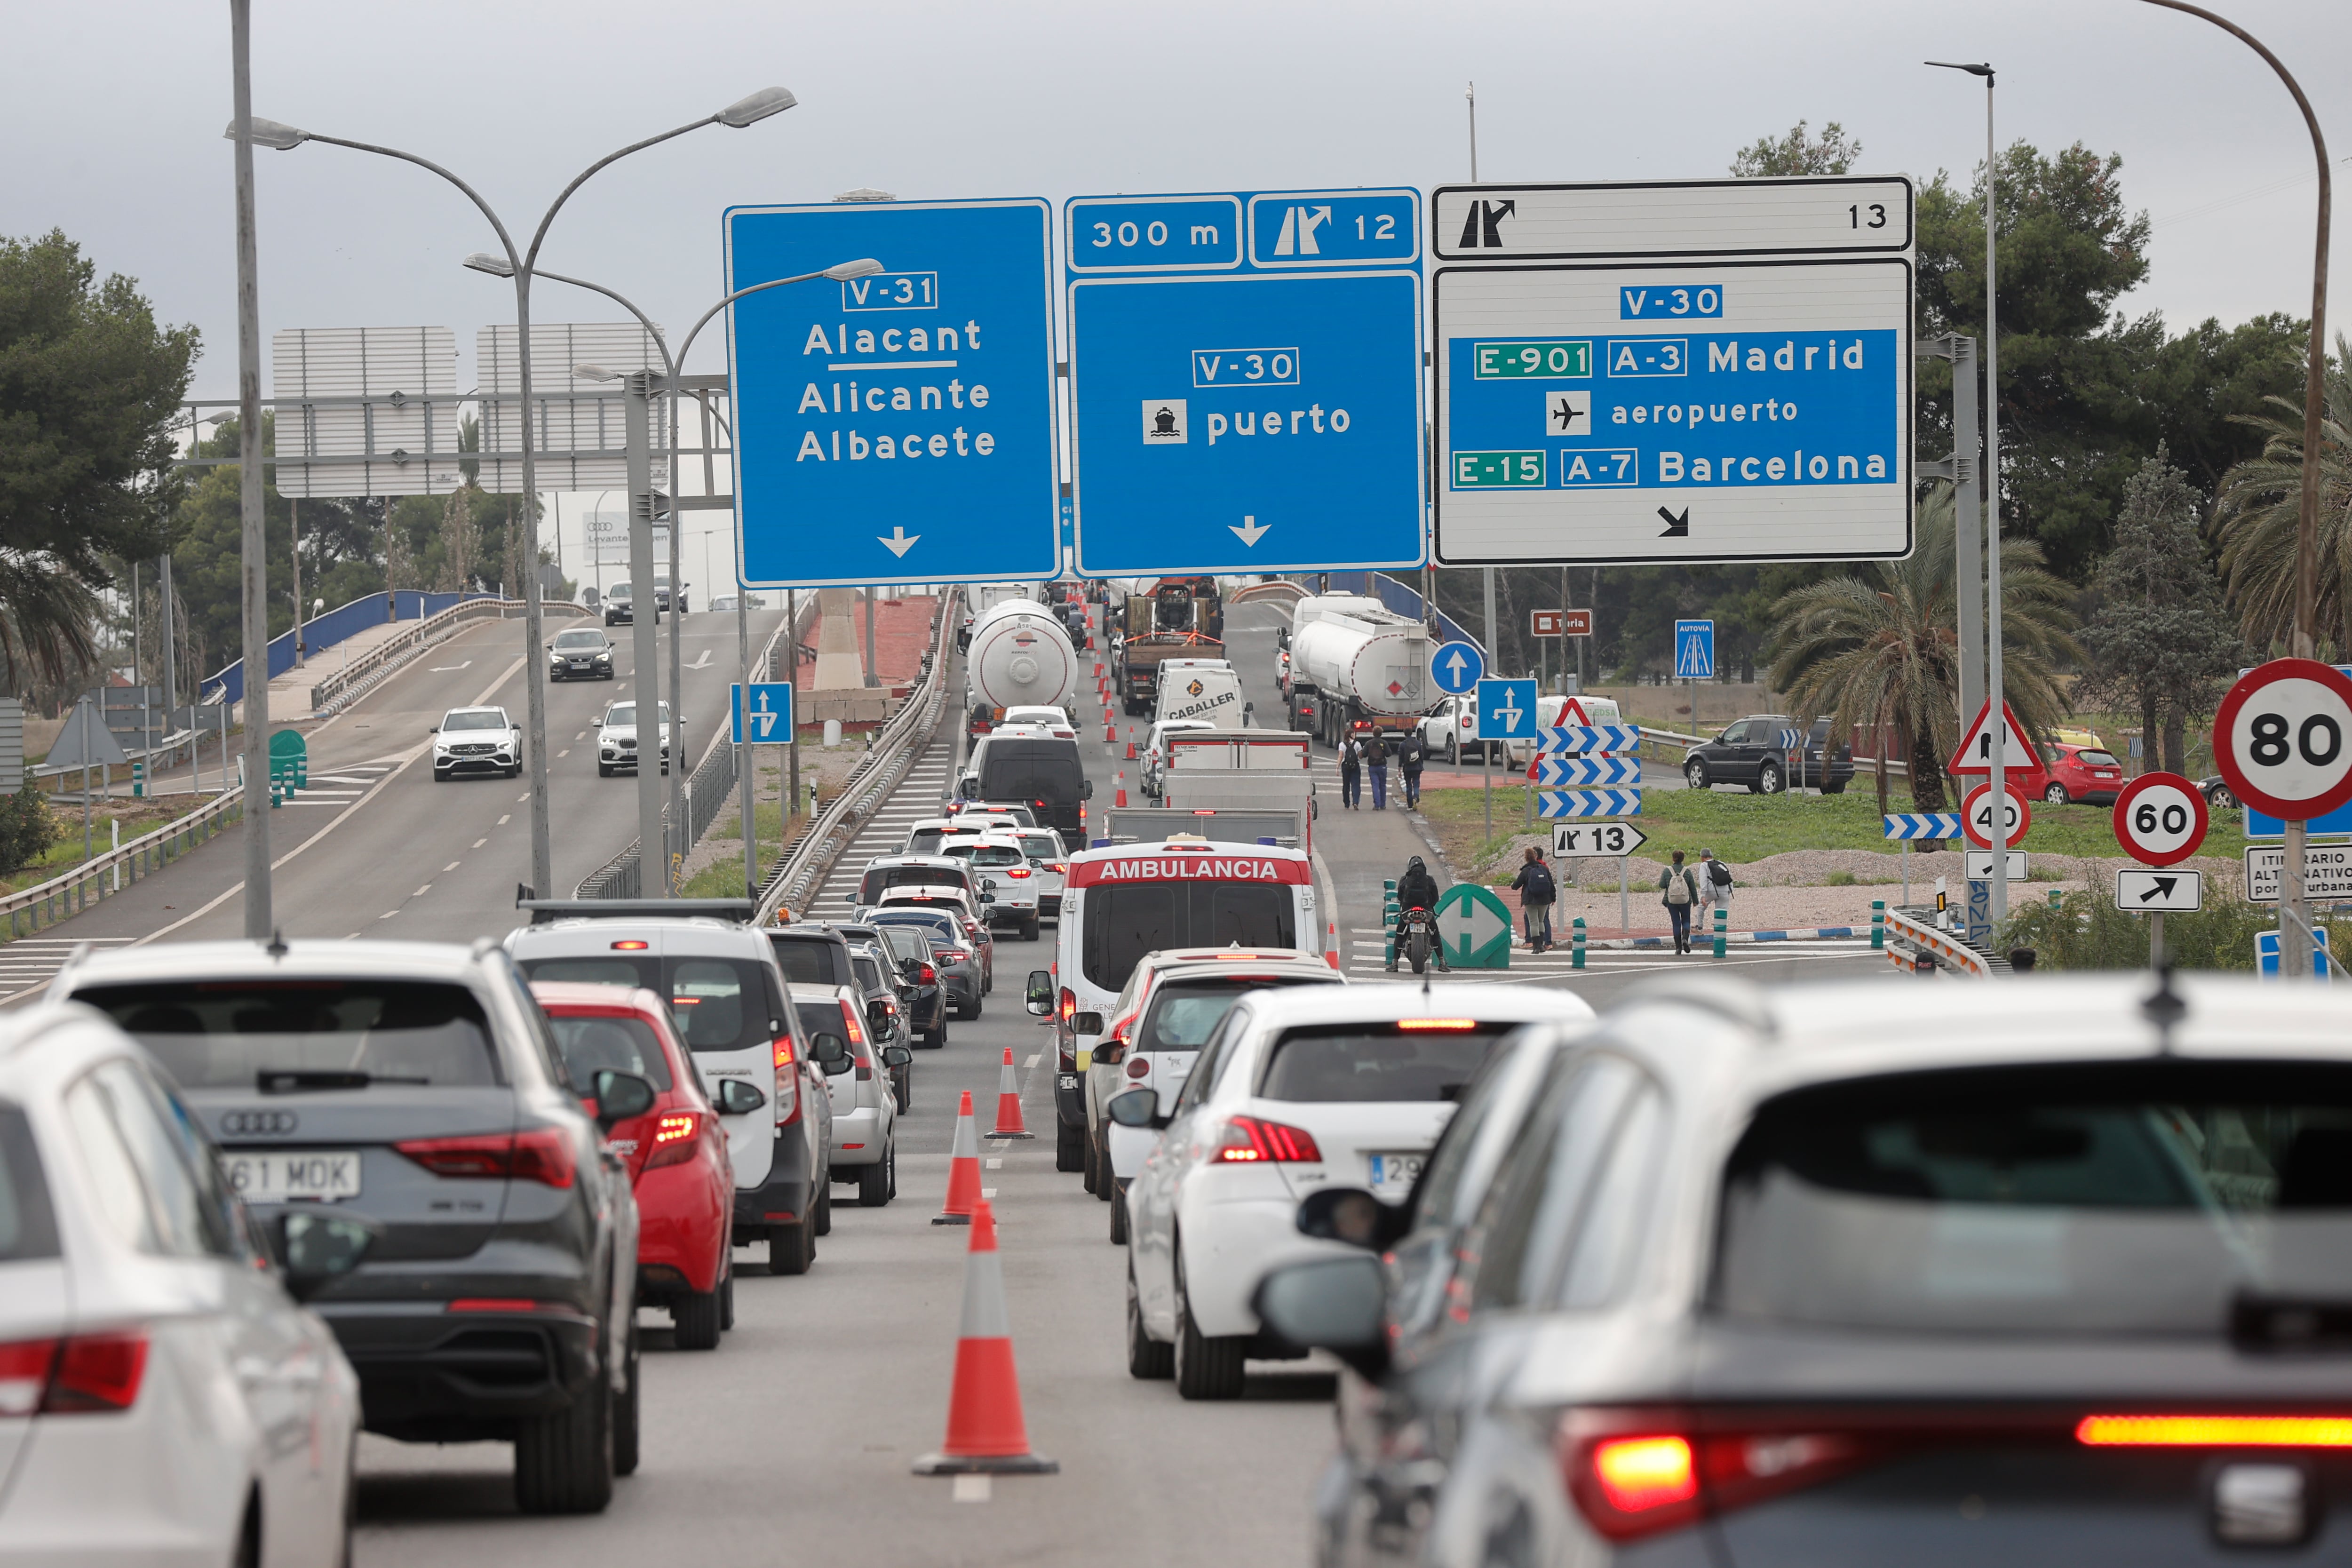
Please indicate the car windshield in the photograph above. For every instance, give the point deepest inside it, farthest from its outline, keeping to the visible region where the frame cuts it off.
(986, 854)
(237, 1034)
(869, 974)
(715, 1004)
(1125, 921)
(592, 1046)
(820, 1018)
(1042, 845)
(475, 718)
(806, 961)
(909, 945)
(2129, 1197)
(1412, 1059)
(2097, 759)
(579, 642)
(627, 713)
(942, 928)
(1183, 1013)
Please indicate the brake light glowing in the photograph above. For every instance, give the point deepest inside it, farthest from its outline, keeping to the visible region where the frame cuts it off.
(493, 1304)
(1069, 1004)
(629, 945)
(856, 1030)
(1450, 1024)
(543, 1154)
(89, 1374)
(1242, 957)
(1637, 1474)
(925, 975)
(673, 1126)
(1017, 871)
(1250, 1139)
(2215, 1431)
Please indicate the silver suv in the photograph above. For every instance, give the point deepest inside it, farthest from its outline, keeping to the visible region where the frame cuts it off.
(480, 741)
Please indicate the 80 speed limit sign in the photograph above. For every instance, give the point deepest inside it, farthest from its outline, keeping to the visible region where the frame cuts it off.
(2160, 819)
(2282, 739)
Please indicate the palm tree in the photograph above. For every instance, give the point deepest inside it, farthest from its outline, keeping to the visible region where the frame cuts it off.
(1882, 648)
(47, 617)
(2258, 509)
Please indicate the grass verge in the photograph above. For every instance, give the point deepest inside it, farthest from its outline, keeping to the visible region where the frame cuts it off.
(2085, 931)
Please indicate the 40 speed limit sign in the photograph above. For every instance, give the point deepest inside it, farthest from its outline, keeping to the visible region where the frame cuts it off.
(1979, 810)
(2160, 819)
(2282, 739)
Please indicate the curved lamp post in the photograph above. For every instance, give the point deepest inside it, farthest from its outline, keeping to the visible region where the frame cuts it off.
(519, 264)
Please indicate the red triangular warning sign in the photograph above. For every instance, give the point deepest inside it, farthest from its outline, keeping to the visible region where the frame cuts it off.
(1975, 753)
(1572, 712)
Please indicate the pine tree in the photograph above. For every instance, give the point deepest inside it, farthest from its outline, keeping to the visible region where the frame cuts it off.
(460, 541)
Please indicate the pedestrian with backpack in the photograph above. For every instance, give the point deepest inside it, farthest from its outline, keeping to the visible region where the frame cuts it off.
(1678, 891)
(1376, 758)
(1713, 880)
(1537, 893)
(1352, 773)
(1409, 760)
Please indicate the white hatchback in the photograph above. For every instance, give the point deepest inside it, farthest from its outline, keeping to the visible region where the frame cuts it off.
(152, 1363)
(1296, 1090)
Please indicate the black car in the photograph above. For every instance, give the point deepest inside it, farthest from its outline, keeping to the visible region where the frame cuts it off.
(421, 1087)
(1040, 772)
(918, 961)
(1758, 751)
(812, 954)
(582, 653)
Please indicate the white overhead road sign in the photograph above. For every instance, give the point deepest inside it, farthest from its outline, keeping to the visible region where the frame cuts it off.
(1708, 371)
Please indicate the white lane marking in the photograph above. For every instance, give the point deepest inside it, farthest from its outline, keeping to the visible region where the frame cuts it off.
(387, 914)
(999, 1164)
(421, 891)
(1040, 1055)
(479, 842)
(972, 1489)
(520, 798)
(452, 669)
(988, 1192)
(454, 864)
(504, 820)
(567, 752)
(704, 663)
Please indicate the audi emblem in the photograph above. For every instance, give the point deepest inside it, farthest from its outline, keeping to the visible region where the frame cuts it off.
(254, 1124)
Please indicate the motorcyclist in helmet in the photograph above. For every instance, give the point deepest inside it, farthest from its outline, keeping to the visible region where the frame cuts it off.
(1416, 889)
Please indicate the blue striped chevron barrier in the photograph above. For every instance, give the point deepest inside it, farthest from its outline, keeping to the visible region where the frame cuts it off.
(1909, 825)
(1553, 804)
(1584, 771)
(1589, 738)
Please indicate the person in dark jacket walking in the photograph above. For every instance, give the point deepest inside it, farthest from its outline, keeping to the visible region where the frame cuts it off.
(1376, 758)
(1537, 891)
(1352, 773)
(1678, 891)
(1409, 758)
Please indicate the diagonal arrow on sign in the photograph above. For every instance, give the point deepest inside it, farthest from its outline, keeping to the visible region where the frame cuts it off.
(1580, 771)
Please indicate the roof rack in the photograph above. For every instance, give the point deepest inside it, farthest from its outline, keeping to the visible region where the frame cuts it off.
(544, 910)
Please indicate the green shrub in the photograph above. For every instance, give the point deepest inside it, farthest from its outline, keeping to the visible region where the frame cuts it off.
(27, 827)
(2087, 931)
(1838, 879)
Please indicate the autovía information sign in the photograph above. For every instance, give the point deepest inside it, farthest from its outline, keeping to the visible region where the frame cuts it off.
(1245, 381)
(896, 428)
(1604, 395)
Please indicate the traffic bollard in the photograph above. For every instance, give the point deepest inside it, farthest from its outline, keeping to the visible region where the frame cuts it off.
(1576, 943)
(1722, 944)
(2057, 900)
(1878, 925)
(138, 779)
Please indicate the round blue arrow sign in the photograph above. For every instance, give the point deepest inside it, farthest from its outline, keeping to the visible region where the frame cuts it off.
(1457, 668)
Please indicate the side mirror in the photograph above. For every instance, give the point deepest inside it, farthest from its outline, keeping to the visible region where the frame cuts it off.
(1085, 1023)
(1136, 1107)
(432, 728)
(1335, 1304)
(897, 1056)
(830, 1052)
(317, 1247)
(620, 1096)
(1041, 992)
(1086, 789)
(738, 1098)
(1111, 1052)
(1353, 1216)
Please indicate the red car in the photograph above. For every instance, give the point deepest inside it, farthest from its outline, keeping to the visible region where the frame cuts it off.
(676, 1152)
(2072, 774)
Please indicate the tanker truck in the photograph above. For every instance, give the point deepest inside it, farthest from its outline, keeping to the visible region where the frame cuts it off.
(1019, 655)
(1354, 660)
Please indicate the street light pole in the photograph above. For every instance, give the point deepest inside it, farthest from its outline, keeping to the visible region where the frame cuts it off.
(255, 573)
(2296, 946)
(517, 265)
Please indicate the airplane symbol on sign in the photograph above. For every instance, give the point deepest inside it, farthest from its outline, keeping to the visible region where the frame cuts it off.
(1566, 413)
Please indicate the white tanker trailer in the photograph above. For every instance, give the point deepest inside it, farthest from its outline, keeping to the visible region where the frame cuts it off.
(1019, 655)
(1354, 659)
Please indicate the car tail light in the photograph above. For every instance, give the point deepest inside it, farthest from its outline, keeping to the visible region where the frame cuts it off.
(543, 1154)
(957, 955)
(857, 1028)
(1451, 1026)
(1069, 1006)
(1016, 871)
(788, 1084)
(925, 975)
(630, 945)
(2215, 1431)
(74, 1376)
(676, 1134)
(1139, 1066)
(1640, 1472)
(1251, 1139)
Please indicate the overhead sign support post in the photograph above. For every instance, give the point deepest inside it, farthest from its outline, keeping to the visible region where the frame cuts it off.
(1246, 382)
(901, 428)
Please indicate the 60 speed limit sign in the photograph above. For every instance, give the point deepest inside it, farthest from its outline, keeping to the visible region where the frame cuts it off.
(2282, 739)
(2160, 819)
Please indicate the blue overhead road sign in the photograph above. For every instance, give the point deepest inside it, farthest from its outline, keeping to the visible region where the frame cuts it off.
(1694, 650)
(1457, 668)
(1507, 710)
(1245, 375)
(767, 717)
(897, 427)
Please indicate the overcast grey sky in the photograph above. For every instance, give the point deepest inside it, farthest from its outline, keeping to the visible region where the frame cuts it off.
(1055, 98)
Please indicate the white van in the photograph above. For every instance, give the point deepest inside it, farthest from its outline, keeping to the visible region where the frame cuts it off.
(1205, 689)
(1122, 902)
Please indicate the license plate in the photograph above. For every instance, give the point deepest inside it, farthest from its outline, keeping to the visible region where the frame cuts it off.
(281, 1176)
(1394, 1174)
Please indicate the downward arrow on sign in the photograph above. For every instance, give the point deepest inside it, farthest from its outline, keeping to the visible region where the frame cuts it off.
(899, 542)
(1251, 530)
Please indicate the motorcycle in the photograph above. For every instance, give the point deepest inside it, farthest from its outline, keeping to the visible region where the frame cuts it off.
(1417, 941)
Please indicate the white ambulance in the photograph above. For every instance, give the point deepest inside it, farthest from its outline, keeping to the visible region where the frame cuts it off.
(1122, 902)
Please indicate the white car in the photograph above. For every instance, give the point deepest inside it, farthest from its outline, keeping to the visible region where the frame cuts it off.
(1296, 1090)
(1049, 859)
(1155, 751)
(163, 1398)
(475, 740)
(865, 1107)
(1006, 882)
(616, 740)
(1043, 717)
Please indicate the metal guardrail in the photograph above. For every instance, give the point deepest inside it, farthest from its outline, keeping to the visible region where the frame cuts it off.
(1916, 930)
(379, 663)
(885, 767)
(102, 876)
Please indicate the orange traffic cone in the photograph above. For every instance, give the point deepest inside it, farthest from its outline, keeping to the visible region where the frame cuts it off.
(1121, 799)
(963, 1170)
(1008, 1103)
(1099, 670)
(986, 1433)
